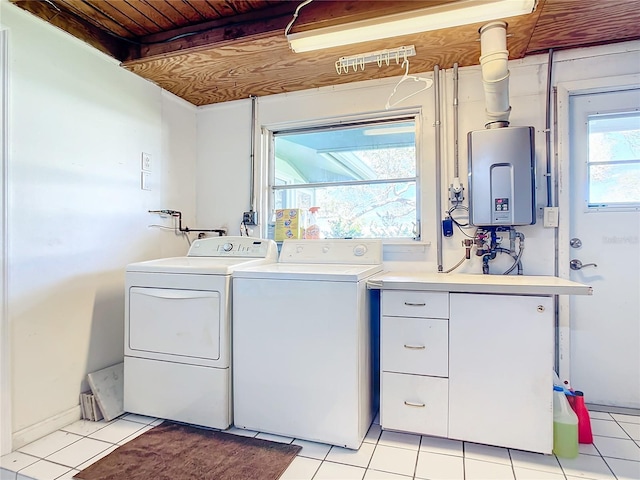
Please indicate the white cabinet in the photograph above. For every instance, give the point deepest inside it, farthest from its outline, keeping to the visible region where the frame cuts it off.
(414, 359)
(474, 367)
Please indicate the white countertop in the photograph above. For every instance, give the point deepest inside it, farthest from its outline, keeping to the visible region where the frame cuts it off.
(478, 283)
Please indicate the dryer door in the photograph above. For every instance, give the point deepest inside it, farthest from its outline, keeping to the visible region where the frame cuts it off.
(175, 323)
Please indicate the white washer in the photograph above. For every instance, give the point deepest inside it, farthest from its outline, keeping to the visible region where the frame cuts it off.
(302, 342)
(178, 330)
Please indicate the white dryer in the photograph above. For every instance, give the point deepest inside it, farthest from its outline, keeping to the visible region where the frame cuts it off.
(178, 330)
(302, 363)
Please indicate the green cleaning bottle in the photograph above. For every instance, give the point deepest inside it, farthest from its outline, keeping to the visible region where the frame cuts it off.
(565, 426)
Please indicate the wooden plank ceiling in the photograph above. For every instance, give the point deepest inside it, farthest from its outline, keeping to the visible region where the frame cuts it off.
(210, 51)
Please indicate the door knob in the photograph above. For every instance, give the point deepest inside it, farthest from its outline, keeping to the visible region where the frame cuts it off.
(576, 264)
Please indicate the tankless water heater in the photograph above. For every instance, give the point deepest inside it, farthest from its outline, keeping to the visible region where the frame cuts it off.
(502, 176)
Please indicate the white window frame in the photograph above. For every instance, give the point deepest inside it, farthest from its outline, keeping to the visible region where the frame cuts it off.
(610, 207)
(268, 158)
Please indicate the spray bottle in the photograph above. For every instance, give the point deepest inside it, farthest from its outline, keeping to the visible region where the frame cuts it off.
(313, 230)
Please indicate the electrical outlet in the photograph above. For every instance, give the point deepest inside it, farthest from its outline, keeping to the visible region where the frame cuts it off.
(456, 193)
(250, 218)
(146, 162)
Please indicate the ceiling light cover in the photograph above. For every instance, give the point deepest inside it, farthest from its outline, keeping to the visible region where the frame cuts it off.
(463, 12)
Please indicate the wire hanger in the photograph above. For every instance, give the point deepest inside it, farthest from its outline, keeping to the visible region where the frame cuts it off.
(406, 77)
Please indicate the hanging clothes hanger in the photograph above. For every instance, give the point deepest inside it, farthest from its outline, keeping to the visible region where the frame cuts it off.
(426, 83)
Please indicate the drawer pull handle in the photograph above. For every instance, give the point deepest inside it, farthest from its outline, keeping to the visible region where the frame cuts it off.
(413, 404)
(415, 347)
(411, 304)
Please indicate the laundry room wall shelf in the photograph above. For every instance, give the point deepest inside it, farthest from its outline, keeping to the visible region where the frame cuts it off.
(391, 56)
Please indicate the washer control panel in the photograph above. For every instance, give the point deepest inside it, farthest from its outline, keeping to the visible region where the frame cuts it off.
(347, 251)
(233, 247)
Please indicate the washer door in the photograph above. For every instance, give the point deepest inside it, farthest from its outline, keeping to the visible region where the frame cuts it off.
(166, 321)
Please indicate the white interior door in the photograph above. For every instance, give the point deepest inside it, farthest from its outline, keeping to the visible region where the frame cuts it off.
(605, 230)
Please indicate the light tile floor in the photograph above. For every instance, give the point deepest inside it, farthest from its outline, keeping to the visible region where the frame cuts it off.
(384, 455)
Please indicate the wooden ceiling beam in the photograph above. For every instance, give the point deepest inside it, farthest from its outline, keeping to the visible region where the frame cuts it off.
(216, 33)
(76, 26)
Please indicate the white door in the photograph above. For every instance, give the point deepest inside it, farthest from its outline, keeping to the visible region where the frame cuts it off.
(167, 323)
(605, 230)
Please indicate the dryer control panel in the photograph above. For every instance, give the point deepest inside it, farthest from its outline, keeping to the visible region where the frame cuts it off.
(341, 251)
(233, 247)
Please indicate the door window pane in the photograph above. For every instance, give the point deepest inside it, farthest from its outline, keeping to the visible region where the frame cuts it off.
(614, 160)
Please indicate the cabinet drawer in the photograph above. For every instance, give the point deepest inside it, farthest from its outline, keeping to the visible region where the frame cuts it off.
(415, 345)
(413, 403)
(402, 303)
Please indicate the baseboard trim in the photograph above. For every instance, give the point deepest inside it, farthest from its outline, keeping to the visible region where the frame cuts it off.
(50, 425)
(611, 409)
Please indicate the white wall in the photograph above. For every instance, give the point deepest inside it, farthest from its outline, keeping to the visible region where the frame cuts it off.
(224, 165)
(76, 213)
(224, 144)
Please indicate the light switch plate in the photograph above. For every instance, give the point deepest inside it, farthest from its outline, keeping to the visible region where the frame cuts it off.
(550, 217)
(145, 180)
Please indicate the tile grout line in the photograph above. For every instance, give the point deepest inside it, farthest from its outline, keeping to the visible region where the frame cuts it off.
(604, 460)
(375, 447)
(415, 467)
(464, 464)
(513, 467)
(626, 433)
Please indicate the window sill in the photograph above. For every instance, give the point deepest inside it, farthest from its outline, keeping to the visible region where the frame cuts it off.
(406, 247)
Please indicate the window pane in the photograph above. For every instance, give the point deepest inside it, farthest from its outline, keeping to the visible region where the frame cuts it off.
(614, 159)
(347, 154)
(361, 177)
(614, 137)
(617, 183)
(357, 211)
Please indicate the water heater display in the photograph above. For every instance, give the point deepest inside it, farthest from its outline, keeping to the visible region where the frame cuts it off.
(502, 204)
(502, 176)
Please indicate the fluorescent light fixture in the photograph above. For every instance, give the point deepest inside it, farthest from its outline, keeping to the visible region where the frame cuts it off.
(453, 14)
